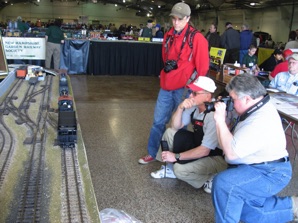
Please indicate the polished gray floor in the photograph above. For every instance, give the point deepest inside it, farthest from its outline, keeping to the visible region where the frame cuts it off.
(115, 115)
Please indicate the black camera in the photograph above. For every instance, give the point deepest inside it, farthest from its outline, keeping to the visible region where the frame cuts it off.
(227, 100)
(170, 65)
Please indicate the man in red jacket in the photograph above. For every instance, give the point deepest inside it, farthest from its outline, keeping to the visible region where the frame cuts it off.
(185, 55)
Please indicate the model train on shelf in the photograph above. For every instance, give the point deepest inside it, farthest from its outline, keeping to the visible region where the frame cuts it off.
(67, 122)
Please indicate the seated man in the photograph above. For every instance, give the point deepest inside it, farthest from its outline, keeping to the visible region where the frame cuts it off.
(287, 81)
(196, 154)
(259, 163)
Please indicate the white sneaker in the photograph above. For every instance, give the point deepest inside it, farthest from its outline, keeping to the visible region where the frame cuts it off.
(162, 173)
(208, 185)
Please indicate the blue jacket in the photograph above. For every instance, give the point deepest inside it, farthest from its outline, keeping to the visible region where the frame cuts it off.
(246, 39)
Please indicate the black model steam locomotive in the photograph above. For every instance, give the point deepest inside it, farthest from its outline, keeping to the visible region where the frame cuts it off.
(67, 122)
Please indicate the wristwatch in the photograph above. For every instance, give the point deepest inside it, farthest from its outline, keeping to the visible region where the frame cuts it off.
(177, 156)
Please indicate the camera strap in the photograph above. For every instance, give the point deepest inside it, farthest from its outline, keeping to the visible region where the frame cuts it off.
(191, 79)
(170, 40)
(255, 107)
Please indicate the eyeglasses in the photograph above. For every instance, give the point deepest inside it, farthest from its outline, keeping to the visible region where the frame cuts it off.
(194, 93)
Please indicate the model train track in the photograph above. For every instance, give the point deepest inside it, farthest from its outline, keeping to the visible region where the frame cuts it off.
(6, 139)
(30, 202)
(74, 207)
(30, 196)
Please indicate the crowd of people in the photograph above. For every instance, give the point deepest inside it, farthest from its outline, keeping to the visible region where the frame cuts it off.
(236, 149)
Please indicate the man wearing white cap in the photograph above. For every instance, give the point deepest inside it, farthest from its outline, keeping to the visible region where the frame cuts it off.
(288, 81)
(196, 153)
(185, 56)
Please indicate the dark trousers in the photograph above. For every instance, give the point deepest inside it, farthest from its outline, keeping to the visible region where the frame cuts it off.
(231, 56)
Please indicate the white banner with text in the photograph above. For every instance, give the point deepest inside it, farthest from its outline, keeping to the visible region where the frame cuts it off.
(24, 48)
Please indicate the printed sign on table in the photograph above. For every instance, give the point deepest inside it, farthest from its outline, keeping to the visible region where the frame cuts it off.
(24, 48)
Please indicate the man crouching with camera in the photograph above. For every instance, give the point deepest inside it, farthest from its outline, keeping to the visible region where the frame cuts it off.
(196, 154)
(259, 163)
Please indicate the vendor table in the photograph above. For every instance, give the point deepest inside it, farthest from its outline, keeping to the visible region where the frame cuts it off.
(124, 58)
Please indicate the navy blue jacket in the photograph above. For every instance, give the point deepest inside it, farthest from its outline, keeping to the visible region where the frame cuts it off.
(246, 39)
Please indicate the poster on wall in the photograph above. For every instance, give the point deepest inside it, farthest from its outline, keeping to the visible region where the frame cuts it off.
(24, 48)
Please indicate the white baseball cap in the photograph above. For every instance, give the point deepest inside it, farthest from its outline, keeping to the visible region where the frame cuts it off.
(203, 83)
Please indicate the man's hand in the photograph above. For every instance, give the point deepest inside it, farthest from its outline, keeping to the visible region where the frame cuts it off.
(168, 156)
(187, 103)
(220, 112)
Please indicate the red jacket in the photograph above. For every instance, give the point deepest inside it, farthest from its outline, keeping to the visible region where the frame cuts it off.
(281, 67)
(199, 60)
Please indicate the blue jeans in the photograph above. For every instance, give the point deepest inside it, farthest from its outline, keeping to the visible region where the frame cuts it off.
(167, 102)
(248, 193)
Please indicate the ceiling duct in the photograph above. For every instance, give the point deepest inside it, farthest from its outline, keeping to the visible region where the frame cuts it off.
(216, 3)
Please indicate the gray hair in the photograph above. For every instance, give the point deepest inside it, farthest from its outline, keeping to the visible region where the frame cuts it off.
(245, 84)
(245, 26)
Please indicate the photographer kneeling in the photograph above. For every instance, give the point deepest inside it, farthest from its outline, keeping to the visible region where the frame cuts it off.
(196, 154)
(259, 163)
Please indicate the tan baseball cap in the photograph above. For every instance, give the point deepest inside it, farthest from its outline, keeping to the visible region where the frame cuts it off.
(180, 10)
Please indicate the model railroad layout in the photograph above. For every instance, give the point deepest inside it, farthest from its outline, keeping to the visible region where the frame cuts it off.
(27, 104)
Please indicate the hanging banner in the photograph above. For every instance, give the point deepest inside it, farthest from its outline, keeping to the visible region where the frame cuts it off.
(24, 48)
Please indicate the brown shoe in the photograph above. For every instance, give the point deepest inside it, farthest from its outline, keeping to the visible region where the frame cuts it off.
(295, 207)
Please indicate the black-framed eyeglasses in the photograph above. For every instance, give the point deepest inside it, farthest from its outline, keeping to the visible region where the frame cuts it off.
(195, 93)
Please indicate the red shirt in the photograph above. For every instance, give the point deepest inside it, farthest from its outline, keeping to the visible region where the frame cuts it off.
(190, 59)
(281, 67)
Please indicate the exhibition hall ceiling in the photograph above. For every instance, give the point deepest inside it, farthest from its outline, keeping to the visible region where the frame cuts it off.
(159, 7)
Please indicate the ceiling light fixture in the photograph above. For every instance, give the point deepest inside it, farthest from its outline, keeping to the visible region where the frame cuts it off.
(116, 5)
(123, 1)
(252, 3)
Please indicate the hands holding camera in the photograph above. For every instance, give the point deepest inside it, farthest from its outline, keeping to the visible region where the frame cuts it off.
(220, 111)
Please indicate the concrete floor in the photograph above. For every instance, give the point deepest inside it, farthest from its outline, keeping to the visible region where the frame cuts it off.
(115, 115)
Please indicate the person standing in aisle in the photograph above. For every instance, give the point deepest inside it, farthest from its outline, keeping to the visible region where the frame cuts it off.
(185, 55)
(230, 40)
(147, 31)
(22, 26)
(246, 40)
(159, 32)
(54, 39)
(213, 37)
